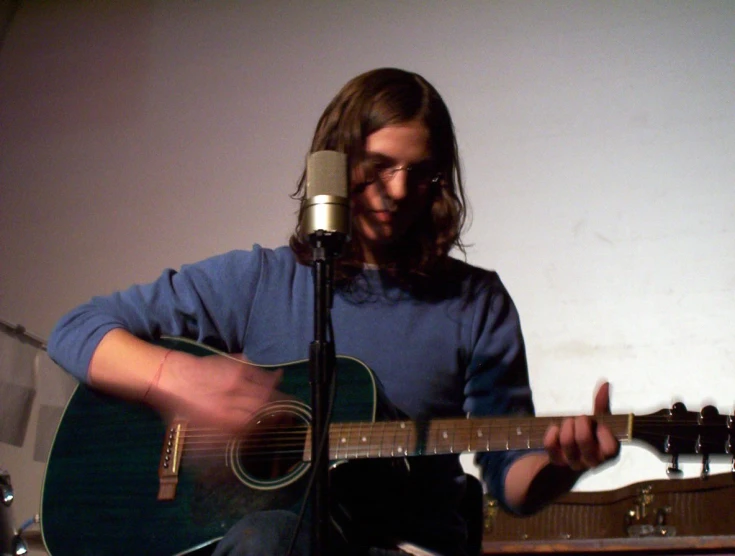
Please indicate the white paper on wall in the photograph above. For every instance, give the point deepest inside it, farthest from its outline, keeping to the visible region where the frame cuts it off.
(17, 388)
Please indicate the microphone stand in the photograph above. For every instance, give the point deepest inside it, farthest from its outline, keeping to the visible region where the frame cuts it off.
(322, 360)
(326, 220)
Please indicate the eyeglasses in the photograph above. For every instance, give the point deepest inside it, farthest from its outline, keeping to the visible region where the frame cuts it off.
(421, 173)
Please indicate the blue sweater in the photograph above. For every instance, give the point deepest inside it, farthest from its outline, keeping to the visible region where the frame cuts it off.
(455, 352)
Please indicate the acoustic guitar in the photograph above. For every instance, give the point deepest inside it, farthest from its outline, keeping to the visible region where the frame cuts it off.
(120, 480)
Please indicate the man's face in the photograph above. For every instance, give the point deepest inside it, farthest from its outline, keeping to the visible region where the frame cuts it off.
(395, 178)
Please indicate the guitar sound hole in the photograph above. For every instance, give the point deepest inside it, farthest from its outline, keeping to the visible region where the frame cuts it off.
(274, 447)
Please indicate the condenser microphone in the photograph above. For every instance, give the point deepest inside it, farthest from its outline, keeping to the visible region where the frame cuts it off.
(326, 203)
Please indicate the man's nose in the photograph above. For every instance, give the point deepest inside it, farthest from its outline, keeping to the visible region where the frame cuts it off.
(397, 186)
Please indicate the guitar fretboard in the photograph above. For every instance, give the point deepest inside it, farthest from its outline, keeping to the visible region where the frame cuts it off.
(387, 439)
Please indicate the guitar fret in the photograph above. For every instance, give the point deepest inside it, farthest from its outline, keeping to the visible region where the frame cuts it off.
(346, 441)
(441, 441)
(370, 442)
(363, 442)
(483, 436)
(350, 445)
(515, 436)
(410, 447)
(334, 443)
(359, 442)
(462, 438)
(382, 439)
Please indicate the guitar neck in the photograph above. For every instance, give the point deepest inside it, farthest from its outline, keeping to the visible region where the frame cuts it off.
(387, 439)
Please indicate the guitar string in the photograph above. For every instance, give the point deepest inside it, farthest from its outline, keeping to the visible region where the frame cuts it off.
(365, 428)
(493, 423)
(292, 440)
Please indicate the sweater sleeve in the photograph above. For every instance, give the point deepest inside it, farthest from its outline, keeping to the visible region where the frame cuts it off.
(497, 376)
(208, 301)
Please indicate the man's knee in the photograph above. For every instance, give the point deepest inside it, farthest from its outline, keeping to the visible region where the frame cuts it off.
(266, 533)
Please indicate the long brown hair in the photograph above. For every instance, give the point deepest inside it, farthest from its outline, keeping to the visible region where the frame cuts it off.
(366, 104)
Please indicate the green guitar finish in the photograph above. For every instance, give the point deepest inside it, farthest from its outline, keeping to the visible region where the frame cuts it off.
(101, 485)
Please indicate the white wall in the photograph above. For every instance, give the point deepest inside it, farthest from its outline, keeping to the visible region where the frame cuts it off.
(597, 142)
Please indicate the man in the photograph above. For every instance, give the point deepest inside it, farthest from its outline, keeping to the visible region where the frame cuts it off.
(442, 337)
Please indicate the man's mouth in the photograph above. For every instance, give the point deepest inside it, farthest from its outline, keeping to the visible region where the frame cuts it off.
(383, 215)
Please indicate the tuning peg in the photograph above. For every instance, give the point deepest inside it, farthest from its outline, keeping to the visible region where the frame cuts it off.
(673, 470)
(705, 467)
(708, 412)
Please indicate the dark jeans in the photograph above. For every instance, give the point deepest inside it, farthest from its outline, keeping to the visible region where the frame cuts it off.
(269, 533)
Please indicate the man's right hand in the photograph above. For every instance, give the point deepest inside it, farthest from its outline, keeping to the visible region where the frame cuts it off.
(216, 390)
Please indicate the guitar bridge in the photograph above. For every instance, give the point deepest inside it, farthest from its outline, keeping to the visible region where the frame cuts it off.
(168, 467)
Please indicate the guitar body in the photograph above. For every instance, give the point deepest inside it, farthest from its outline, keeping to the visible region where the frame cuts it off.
(101, 485)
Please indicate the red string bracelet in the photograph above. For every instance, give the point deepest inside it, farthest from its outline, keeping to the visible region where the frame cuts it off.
(157, 376)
